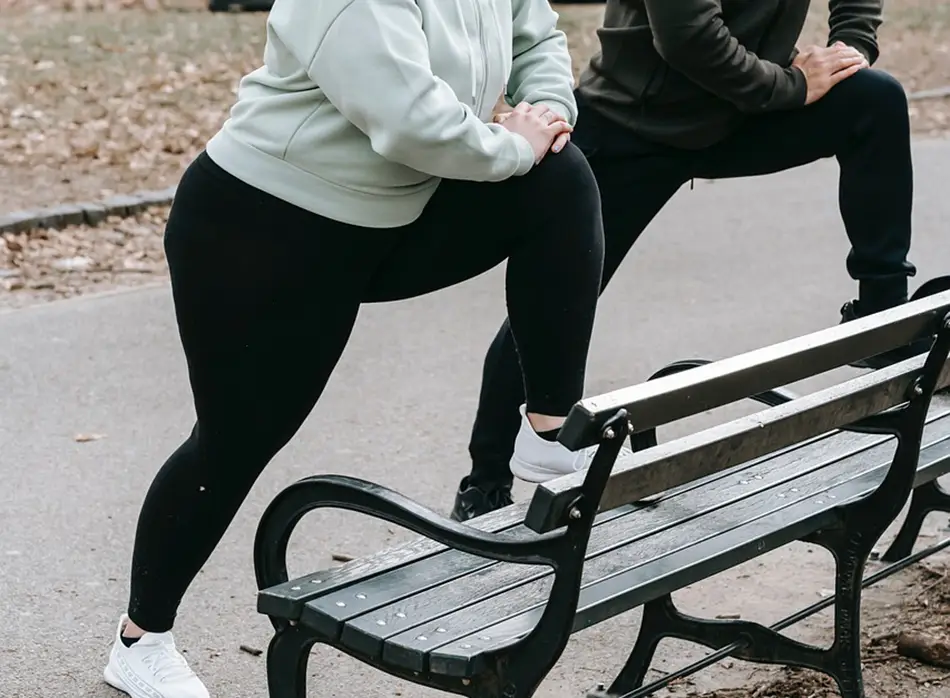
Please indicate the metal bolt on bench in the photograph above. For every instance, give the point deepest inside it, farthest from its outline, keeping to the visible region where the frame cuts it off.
(485, 609)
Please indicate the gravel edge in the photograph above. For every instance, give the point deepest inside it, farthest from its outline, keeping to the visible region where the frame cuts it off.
(84, 213)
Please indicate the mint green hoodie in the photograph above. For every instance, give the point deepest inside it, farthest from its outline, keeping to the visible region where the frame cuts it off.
(362, 106)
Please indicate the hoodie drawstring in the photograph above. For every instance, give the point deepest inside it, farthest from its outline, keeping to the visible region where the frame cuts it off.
(473, 76)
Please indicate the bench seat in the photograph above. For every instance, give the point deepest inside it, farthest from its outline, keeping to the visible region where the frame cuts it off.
(424, 608)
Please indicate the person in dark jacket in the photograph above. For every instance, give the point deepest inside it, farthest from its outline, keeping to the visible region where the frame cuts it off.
(715, 89)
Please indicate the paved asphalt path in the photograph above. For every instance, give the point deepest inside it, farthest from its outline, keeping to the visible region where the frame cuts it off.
(727, 267)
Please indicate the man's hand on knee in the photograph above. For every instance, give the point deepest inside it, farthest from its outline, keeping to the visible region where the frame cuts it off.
(826, 66)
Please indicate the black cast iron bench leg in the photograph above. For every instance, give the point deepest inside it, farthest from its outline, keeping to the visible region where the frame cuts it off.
(287, 658)
(851, 541)
(927, 498)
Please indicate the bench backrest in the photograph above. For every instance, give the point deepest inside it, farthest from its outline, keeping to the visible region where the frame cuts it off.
(668, 399)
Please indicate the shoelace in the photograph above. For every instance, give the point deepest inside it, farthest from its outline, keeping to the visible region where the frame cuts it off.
(167, 663)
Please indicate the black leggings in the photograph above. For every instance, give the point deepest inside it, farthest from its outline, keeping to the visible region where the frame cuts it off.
(266, 295)
(863, 122)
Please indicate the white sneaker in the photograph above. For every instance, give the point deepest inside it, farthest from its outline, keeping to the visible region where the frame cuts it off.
(151, 668)
(538, 460)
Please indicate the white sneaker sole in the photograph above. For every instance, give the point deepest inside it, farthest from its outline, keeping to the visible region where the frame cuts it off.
(114, 680)
(529, 472)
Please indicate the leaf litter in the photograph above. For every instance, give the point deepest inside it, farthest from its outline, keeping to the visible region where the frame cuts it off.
(105, 97)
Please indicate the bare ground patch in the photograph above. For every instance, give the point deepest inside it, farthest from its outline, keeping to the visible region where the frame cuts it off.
(912, 605)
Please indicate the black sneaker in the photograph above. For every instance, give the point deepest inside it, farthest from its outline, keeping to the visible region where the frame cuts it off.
(472, 501)
(849, 312)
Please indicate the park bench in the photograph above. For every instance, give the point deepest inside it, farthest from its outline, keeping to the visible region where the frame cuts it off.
(485, 609)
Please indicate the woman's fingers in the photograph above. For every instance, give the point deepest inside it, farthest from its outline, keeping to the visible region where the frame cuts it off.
(560, 142)
(553, 125)
(558, 127)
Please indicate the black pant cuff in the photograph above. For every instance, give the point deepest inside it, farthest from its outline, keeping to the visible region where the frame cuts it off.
(875, 296)
(487, 479)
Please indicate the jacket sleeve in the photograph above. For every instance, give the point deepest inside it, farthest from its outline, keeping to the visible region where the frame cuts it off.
(541, 71)
(372, 64)
(855, 22)
(692, 37)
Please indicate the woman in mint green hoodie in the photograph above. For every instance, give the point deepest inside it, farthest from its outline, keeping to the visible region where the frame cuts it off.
(359, 164)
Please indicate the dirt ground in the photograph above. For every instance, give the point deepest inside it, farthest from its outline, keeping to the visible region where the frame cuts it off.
(96, 102)
(915, 601)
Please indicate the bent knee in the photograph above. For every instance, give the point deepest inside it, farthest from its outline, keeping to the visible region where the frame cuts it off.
(567, 174)
(876, 89)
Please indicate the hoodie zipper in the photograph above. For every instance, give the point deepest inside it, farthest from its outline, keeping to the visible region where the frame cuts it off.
(482, 55)
(472, 77)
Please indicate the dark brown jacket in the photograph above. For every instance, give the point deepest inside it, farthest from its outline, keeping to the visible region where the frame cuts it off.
(685, 72)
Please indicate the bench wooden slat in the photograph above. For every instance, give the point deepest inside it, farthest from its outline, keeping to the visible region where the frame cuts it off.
(325, 613)
(288, 599)
(683, 460)
(617, 590)
(409, 576)
(674, 397)
(647, 582)
(615, 557)
(364, 634)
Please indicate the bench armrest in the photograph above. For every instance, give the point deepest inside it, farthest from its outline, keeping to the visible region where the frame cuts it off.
(353, 494)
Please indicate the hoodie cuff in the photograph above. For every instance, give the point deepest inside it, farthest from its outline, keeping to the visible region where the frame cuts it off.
(525, 154)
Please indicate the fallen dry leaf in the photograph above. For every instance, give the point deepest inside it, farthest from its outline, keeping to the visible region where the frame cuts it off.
(48, 264)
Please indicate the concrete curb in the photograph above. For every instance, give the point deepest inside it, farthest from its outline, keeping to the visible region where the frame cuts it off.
(938, 93)
(84, 213)
(93, 296)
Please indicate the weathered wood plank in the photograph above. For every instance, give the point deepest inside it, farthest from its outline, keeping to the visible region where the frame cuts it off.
(495, 584)
(668, 399)
(719, 448)
(618, 590)
(405, 586)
